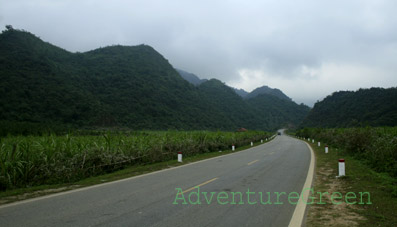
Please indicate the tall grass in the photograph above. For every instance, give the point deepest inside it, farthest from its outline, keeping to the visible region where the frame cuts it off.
(376, 146)
(35, 160)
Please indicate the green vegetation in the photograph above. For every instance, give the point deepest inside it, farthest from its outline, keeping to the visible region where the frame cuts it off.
(37, 160)
(370, 153)
(365, 107)
(359, 178)
(377, 147)
(267, 90)
(44, 89)
(233, 108)
(281, 111)
(264, 111)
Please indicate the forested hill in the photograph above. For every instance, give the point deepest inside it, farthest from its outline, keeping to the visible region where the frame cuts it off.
(275, 111)
(134, 87)
(365, 107)
(267, 90)
(195, 80)
(190, 77)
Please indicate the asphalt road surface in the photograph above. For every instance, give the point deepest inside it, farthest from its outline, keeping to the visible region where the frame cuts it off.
(156, 199)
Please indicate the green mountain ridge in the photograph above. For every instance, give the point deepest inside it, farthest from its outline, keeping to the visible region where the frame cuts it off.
(364, 107)
(195, 80)
(267, 90)
(227, 101)
(116, 86)
(190, 77)
(241, 92)
(283, 110)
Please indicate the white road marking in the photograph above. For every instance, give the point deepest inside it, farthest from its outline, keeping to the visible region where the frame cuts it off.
(299, 212)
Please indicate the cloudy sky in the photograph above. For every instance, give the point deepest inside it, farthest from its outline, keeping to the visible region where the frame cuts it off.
(306, 48)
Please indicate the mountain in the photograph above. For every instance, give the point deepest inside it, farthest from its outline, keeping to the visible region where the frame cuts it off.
(275, 112)
(195, 80)
(45, 87)
(240, 92)
(38, 82)
(131, 87)
(263, 111)
(190, 77)
(365, 107)
(267, 90)
(225, 100)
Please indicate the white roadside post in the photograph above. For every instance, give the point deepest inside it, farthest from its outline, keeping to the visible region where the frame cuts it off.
(261, 141)
(233, 147)
(312, 140)
(318, 143)
(179, 156)
(252, 144)
(341, 167)
(266, 139)
(326, 149)
(308, 139)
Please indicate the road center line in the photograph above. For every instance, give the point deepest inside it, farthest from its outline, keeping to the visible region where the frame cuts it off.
(207, 182)
(252, 162)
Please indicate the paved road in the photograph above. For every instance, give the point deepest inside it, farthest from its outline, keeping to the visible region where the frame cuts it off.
(278, 166)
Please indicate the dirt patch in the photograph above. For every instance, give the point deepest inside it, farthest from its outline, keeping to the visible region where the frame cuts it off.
(330, 214)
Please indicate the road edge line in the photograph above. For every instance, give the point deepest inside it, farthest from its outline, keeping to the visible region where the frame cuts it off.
(300, 209)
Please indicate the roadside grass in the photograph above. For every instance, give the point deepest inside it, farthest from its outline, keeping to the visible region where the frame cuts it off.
(19, 194)
(359, 178)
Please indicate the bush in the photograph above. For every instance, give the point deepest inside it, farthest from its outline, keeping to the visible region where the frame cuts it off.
(377, 146)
